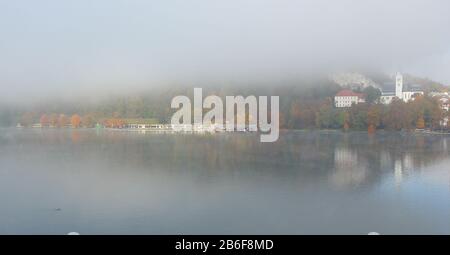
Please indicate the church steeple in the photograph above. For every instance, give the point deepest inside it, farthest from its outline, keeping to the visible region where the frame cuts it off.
(399, 85)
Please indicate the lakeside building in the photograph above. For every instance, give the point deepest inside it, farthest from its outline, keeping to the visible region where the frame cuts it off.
(154, 125)
(443, 97)
(346, 98)
(398, 89)
(40, 125)
(142, 123)
(444, 101)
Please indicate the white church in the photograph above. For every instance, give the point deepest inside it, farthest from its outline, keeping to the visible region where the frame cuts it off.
(405, 92)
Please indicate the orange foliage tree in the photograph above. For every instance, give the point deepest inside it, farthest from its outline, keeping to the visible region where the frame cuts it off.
(420, 123)
(114, 123)
(75, 120)
(373, 118)
(346, 124)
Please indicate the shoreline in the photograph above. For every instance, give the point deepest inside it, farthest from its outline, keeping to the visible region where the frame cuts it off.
(152, 130)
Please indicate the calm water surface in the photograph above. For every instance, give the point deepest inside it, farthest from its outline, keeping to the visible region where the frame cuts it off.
(113, 182)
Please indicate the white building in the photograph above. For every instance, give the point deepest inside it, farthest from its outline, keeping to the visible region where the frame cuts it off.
(405, 92)
(444, 101)
(346, 98)
(443, 97)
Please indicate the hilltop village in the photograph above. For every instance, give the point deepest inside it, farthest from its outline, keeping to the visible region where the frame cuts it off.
(407, 100)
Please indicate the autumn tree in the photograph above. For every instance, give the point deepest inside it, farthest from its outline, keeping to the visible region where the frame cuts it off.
(53, 119)
(295, 114)
(397, 116)
(306, 117)
(346, 125)
(114, 123)
(88, 120)
(44, 120)
(75, 121)
(420, 123)
(373, 118)
(426, 109)
(436, 115)
(63, 120)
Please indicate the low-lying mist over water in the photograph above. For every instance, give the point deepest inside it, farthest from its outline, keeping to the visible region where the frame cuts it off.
(85, 48)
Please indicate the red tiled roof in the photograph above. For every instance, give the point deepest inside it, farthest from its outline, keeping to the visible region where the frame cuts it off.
(349, 93)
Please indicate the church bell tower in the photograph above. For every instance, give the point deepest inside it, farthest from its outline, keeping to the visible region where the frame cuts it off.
(399, 86)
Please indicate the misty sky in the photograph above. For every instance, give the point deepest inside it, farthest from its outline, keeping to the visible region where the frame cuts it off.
(51, 47)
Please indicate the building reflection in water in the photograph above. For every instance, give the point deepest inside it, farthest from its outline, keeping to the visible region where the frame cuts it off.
(342, 160)
(403, 165)
(360, 164)
(349, 170)
(398, 172)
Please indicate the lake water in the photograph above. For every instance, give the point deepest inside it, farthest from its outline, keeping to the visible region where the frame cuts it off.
(118, 182)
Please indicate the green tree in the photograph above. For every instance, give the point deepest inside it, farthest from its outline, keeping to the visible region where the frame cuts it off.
(325, 116)
(358, 116)
(372, 94)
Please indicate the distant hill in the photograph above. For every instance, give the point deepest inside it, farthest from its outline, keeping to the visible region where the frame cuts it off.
(427, 84)
(305, 92)
(365, 79)
(352, 79)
